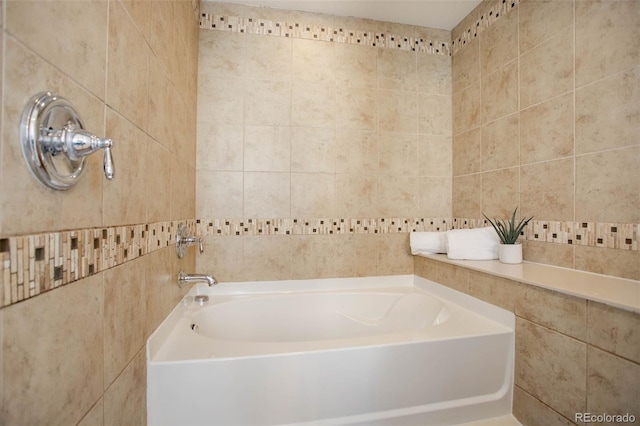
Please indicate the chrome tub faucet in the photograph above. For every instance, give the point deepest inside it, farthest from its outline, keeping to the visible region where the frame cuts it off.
(184, 278)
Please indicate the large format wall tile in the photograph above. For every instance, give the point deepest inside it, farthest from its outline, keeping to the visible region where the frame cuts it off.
(313, 194)
(124, 197)
(547, 189)
(434, 74)
(466, 109)
(608, 113)
(467, 148)
(398, 154)
(356, 108)
(266, 58)
(466, 199)
(126, 399)
(267, 194)
(356, 66)
(619, 263)
(356, 195)
(65, 368)
(124, 316)
(547, 130)
(465, 68)
(267, 257)
(551, 367)
(266, 149)
(497, 291)
(608, 178)
(356, 151)
(606, 46)
(547, 70)
(499, 44)
(559, 312)
(219, 194)
(614, 330)
(312, 61)
(314, 256)
(500, 143)
(268, 103)
(435, 155)
(500, 192)
(128, 55)
(500, 93)
(530, 411)
(540, 20)
(83, 27)
(612, 383)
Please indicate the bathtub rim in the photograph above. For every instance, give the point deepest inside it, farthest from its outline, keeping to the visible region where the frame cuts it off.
(163, 332)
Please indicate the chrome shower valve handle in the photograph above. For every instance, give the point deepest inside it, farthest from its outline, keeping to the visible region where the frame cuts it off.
(78, 143)
(50, 126)
(107, 162)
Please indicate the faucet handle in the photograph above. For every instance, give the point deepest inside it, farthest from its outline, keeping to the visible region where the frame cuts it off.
(109, 167)
(184, 239)
(81, 143)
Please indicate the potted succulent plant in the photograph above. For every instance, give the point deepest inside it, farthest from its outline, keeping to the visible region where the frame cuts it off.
(510, 250)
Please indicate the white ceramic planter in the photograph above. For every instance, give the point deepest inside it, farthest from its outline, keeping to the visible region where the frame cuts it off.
(510, 253)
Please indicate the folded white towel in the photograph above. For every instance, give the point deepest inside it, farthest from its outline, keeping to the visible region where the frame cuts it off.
(428, 242)
(473, 244)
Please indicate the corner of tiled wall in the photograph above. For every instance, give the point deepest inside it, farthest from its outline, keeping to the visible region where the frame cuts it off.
(566, 76)
(76, 355)
(545, 107)
(572, 355)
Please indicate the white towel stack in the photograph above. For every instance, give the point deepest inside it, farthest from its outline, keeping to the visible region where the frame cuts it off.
(459, 244)
(428, 242)
(473, 244)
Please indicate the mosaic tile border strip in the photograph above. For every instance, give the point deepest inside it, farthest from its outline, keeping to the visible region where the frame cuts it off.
(365, 38)
(498, 9)
(34, 264)
(321, 226)
(322, 33)
(623, 236)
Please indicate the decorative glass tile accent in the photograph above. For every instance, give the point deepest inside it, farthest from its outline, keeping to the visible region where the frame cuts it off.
(34, 264)
(322, 226)
(622, 236)
(322, 33)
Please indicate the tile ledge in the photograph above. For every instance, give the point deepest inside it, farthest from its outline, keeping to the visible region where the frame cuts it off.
(621, 293)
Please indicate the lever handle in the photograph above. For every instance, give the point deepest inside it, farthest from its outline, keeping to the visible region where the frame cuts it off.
(201, 245)
(55, 144)
(109, 167)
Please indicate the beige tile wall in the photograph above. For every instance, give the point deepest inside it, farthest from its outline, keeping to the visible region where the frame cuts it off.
(291, 127)
(332, 156)
(76, 355)
(306, 128)
(572, 355)
(546, 107)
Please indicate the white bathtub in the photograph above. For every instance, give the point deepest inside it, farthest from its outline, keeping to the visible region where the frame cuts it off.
(397, 350)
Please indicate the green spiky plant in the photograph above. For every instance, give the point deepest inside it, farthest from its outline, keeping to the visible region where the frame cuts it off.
(508, 231)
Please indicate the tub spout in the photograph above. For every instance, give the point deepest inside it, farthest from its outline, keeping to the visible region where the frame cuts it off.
(184, 278)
